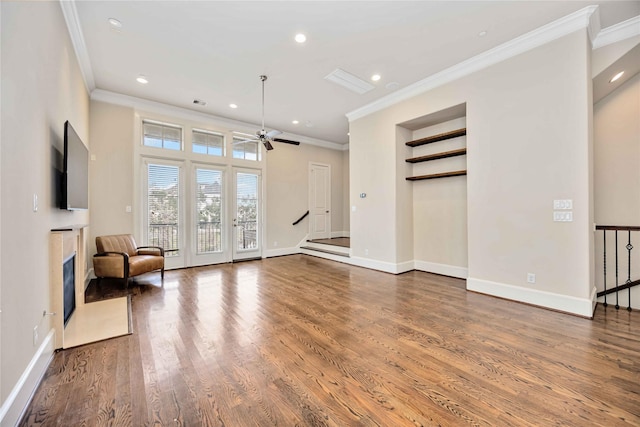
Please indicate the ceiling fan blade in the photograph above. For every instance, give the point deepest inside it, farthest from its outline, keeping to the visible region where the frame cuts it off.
(273, 133)
(268, 145)
(287, 141)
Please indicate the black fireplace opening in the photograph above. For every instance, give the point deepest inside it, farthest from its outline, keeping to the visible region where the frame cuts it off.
(69, 288)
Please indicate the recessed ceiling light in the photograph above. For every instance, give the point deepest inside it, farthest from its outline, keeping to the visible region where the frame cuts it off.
(233, 106)
(375, 77)
(300, 38)
(142, 80)
(295, 122)
(115, 23)
(616, 77)
(482, 33)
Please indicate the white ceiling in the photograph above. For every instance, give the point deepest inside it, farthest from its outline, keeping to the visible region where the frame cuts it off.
(215, 50)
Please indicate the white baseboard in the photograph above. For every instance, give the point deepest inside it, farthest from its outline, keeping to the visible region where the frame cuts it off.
(568, 304)
(387, 267)
(15, 404)
(444, 269)
(269, 253)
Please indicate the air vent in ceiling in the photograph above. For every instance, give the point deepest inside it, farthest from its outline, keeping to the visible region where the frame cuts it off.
(349, 81)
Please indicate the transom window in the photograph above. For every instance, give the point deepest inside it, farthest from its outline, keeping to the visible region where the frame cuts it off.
(161, 135)
(245, 148)
(206, 142)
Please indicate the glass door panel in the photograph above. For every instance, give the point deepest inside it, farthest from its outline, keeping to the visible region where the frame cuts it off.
(247, 213)
(209, 242)
(163, 211)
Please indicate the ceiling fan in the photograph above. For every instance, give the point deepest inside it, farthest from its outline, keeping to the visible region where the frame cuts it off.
(267, 137)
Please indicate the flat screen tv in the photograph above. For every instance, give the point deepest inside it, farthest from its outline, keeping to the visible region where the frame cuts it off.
(75, 175)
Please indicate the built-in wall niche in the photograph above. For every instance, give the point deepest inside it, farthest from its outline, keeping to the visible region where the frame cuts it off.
(435, 167)
(438, 146)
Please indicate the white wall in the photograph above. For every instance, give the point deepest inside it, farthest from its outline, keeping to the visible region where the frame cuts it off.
(111, 179)
(41, 88)
(528, 142)
(440, 205)
(288, 192)
(617, 181)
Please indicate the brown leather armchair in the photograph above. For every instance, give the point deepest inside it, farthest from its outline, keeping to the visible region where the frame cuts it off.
(119, 257)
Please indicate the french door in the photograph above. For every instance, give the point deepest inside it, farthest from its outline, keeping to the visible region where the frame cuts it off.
(246, 214)
(198, 215)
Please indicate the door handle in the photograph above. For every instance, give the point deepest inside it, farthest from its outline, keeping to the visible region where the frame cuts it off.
(326, 212)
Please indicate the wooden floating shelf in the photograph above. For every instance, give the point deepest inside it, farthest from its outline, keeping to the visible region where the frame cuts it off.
(436, 175)
(435, 138)
(443, 155)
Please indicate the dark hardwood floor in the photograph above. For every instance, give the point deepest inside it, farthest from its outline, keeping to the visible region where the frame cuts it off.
(299, 340)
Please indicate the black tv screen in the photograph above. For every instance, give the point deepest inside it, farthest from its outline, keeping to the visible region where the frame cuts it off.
(75, 175)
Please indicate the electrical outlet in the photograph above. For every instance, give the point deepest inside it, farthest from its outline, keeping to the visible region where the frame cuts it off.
(366, 251)
(35, 335)
(35, 202)
(531, 278)
(127, 209)
(275, 243)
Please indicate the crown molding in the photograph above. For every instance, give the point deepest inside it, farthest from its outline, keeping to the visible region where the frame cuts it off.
(77, 39)
(155, 107)
(561, 27)
(618, 32)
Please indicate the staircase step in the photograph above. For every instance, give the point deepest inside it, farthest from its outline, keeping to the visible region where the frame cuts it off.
(326, 251)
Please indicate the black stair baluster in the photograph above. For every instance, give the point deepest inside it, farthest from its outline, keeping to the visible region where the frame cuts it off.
(629, 249)
(604, 237)
(617, 282)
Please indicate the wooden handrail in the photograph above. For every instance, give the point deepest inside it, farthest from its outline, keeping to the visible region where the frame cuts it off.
(618, 227)
(301, 218)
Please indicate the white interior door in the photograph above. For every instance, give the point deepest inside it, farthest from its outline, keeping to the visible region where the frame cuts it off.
(319, 201)
(247, 212)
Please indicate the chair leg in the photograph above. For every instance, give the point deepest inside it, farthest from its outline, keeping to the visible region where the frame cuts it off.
(162, 273)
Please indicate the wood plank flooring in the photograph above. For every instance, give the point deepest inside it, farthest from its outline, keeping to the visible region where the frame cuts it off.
(303, 341)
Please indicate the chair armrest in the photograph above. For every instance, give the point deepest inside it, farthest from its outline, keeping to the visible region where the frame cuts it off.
(157, 248)
(122, 254)
(104, 267)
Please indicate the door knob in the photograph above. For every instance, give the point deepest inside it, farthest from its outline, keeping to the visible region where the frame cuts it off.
(326, 211)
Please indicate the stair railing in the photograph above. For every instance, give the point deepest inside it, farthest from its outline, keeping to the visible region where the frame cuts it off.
(628, 283)
(301, 218)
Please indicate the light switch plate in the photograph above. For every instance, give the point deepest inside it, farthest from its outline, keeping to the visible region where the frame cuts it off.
(563, 204)
(562, 216)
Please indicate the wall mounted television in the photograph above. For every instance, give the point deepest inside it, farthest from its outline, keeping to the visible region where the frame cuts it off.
(75, 175)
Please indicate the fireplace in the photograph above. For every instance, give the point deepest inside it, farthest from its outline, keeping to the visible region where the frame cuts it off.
(68, 286)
